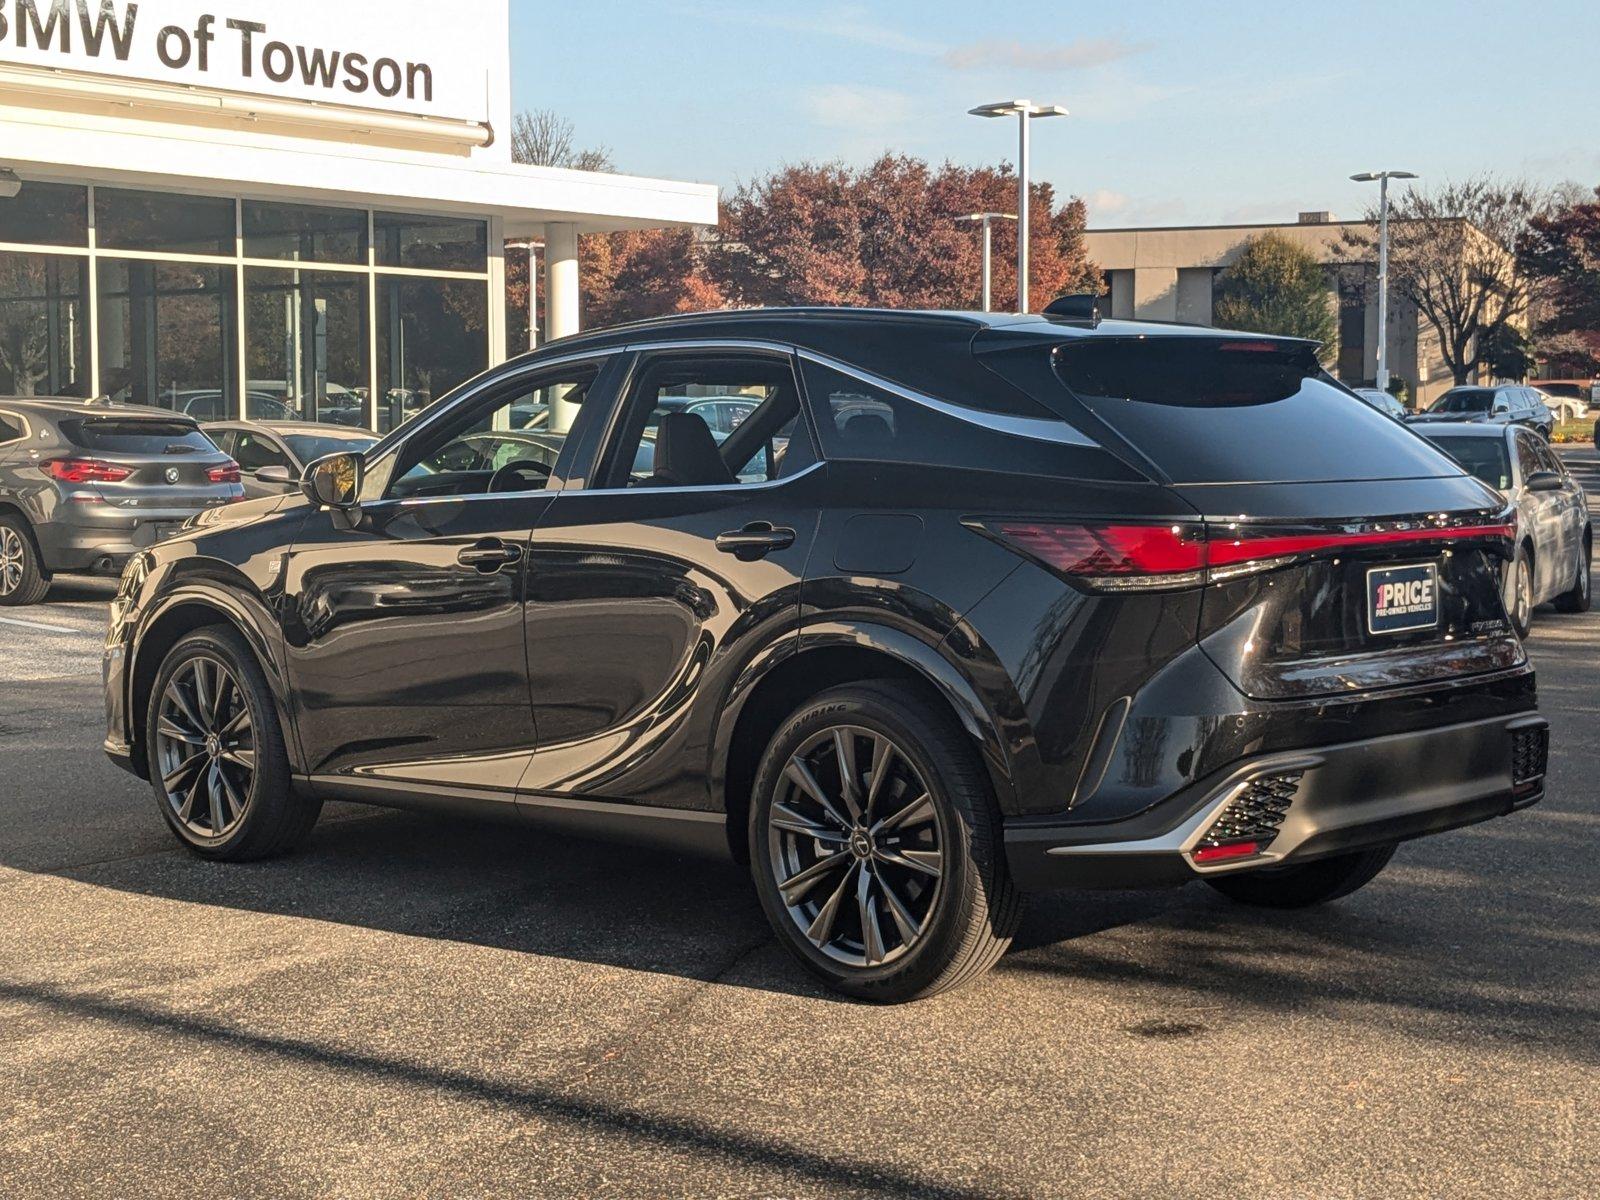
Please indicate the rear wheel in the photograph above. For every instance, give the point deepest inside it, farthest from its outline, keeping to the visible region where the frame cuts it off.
(216, 753)
(1303, 886)
(1519, 592)
(22, 576)
(876, 848)
(1577, 598)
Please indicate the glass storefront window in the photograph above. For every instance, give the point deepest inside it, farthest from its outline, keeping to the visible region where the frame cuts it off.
(46, 214)
(306, 346)
(432, 335)
(44, 325)
(163, 221)
(167, 336)
(303, 233)
(431, 243)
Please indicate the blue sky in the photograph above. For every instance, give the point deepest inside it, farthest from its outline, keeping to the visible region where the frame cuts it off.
(1181, 112)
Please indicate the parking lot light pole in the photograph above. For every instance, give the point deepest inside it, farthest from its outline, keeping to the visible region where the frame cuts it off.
(1382, 178)
(1024, 111)
(533, 249)
(987, 219)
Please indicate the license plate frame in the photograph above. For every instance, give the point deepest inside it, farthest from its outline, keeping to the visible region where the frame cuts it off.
(1414, 609)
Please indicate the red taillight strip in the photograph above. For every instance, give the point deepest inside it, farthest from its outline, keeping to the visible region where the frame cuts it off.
(1221, 552)
(84, 470)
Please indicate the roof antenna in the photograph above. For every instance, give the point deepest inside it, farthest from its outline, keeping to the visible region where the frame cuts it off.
(1080, 309)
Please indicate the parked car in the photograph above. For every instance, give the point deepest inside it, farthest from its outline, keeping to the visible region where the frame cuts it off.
(1565, 407)
(273, 455)
(83, 486)
(1502, 404)
(723, 414)
(212, 404)
(1028, 603)
(1583, 391)
(1385, 403)
(1555, 537)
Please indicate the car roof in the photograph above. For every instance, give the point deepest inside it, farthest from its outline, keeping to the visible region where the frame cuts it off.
(284, 427)
(58, 406)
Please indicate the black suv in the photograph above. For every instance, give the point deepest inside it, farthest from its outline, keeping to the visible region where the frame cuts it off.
(84, 486)
(967, 606)
(1502, 404)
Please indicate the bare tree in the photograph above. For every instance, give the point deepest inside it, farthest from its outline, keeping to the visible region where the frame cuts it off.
(544, 138)
(1452, 252)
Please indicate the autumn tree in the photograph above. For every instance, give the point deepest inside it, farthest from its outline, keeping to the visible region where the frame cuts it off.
(1561, 250)
(1277, 286)
(1452, 253)
(885, 235)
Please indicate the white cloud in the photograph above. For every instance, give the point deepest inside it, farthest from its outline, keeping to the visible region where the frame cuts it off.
(1024, 56)
(1103, 202)
(846, 22)
(857, 106)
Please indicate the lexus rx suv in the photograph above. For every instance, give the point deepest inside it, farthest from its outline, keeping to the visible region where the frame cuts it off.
(85, 486)
(968, 606)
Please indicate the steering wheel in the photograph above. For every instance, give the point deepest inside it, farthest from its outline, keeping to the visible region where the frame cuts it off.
(520, 475)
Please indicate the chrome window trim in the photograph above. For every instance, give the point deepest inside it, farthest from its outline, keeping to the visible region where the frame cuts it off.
(695, 487)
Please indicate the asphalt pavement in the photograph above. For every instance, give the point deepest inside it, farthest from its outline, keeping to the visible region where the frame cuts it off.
(414, 1006)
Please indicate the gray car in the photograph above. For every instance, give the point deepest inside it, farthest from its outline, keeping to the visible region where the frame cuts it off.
(1555, 539)
(272, 455)
(84, 486)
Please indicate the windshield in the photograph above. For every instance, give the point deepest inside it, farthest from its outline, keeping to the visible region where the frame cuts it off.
(1234, 410)
(1464, 400)
(308, 447)
(1485, 458)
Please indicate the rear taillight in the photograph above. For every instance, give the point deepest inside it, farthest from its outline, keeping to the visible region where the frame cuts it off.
(84, 470)
(1129, 557)
(228, 472)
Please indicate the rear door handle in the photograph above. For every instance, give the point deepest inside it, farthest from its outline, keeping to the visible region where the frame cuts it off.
(489, 555)
(756, 540)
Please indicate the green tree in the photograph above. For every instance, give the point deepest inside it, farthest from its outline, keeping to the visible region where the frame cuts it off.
(1278, 286)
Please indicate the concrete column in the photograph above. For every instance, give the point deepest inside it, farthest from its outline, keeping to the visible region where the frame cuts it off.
(561, 303)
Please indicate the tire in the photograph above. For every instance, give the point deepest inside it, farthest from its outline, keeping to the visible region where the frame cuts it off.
(23, 579)
(232, 798)
(1519, 592)
(929, 931)
(1303, 886)
(1577, 599)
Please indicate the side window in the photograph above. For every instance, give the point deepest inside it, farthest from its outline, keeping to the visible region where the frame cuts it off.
(1549, 460)
(11, 428)
(1527, 456)
(709, 420)
(224, 439)
(252, 452)
(507, 442)
(1501, 402)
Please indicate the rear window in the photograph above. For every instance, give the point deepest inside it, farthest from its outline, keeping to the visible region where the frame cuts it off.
(1485, 458)
(135, 436)
(1238, 411)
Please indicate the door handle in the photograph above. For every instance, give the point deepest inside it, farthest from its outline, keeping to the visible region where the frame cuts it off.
(756, 540)
(489, 555)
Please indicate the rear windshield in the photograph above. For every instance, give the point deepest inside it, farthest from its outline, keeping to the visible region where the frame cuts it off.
(137, 436)
(1485, 458)
(1235, 411)
(1464, 400)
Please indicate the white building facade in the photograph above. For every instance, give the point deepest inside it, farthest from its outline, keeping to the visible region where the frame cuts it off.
(280, 209)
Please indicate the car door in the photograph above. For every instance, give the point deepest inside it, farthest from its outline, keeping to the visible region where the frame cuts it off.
(1571, 513)
(1543, 510)
(651, 585)
(403, 625)
(255, 450)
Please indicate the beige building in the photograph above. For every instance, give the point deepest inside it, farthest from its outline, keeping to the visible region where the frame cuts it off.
(1171, 274)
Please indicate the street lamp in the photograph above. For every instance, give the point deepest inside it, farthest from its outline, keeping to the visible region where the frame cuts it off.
(533, 249)
(987, 219)
(1382, 178)
(1023, 110)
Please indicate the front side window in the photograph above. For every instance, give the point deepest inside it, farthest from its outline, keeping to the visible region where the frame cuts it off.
(1484, 458)
(1527, 456)
(504, 443)
(709, 420)
(252, 452)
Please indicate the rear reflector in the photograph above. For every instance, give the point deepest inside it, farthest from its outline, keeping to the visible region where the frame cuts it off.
(1129, 557)
(84, 470)
(228, 472)
(1212, 854)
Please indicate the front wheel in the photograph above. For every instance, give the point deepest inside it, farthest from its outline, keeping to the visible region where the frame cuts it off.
(1577, 599)
(876, 848)
(216, 754)
(1308, 884)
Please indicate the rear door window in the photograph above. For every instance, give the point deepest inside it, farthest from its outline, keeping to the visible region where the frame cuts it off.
(1232, 410)
(113, 435)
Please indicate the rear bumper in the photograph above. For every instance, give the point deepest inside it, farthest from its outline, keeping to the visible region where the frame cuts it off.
(103, 540)
(1345, 797)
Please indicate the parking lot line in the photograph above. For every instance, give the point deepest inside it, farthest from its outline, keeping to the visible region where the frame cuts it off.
(44, 625)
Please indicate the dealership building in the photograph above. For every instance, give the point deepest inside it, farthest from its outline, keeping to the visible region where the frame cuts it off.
(1172, 274)
(277, 209)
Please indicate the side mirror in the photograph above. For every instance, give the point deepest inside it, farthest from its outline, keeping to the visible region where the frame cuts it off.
(333, 481)
(275, 475)
(1544, 481)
